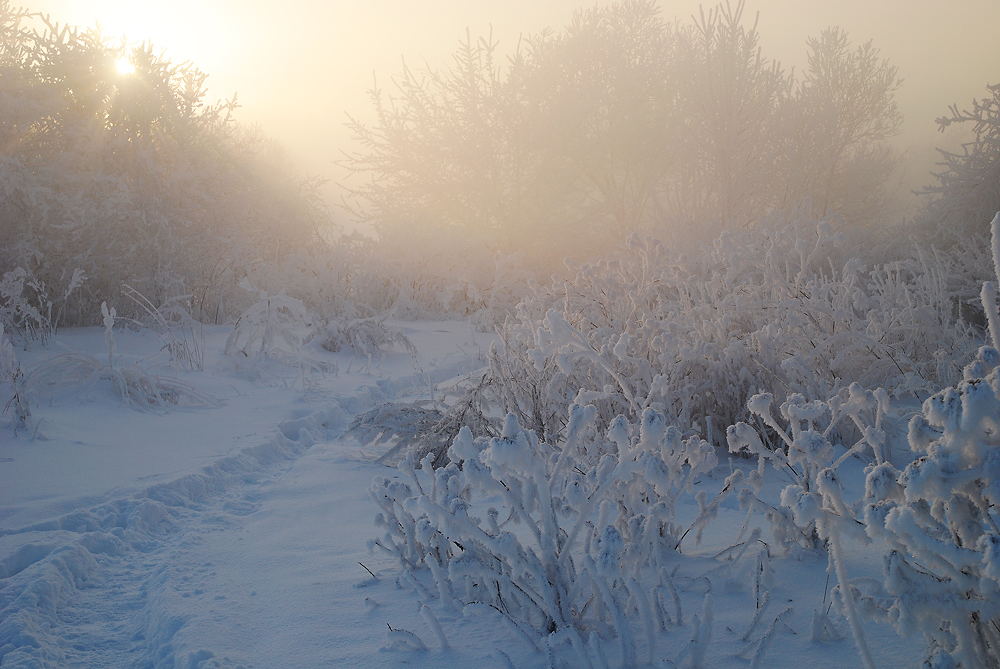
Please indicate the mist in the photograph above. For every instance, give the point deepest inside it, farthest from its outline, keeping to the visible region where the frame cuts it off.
(298, 71)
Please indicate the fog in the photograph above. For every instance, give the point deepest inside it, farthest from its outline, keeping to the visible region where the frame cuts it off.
(642, 270)
(300, 66)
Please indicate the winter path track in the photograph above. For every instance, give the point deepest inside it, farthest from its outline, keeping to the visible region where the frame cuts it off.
(251, 561)
(143, 580)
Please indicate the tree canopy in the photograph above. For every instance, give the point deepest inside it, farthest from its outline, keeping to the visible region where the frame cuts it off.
(622, 122)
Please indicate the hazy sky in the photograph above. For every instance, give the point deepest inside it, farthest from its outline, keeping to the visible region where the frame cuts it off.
(299, 65)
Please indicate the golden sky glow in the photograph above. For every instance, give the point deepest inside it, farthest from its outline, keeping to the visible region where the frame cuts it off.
(299, 65)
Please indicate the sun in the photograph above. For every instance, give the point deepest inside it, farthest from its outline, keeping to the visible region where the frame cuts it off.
(124, 66)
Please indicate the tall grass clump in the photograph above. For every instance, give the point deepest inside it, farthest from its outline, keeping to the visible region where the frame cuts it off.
(137, 387)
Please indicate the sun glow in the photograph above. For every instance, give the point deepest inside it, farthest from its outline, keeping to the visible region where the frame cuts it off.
(124, 66)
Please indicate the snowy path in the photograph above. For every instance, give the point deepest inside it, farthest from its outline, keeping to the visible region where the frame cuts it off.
(253, 564)
(138, 581)
(249, 561)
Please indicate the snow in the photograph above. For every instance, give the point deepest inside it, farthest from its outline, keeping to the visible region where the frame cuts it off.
(237, 535)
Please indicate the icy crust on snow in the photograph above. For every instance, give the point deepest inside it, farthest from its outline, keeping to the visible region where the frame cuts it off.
(42, 578)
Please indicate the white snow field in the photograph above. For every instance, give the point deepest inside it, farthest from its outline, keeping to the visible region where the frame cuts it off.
(237, 535)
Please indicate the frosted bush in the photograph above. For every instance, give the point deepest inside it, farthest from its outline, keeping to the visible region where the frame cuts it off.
(365, 336)
(274, 326)
(567, 540)
(397, 430)
(392, 430)
(813, 511)
(938, 517)
(787, 307)
(26, 305)
(17, 313)
(805, 443)
(13, 399)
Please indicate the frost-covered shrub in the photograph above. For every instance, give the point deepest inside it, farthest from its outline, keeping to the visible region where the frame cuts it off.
(938, 514)
(572, 539)
(813, 511)
(17, 311)
(274, 327)
(365, 336)
(26, 304)
(838, 314)
(396, 430)
(806, 446)
(13, 400)
(278, 326)
(606, 335)
(787, 307)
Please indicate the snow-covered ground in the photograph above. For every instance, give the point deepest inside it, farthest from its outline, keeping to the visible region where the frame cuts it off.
(237, 535)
